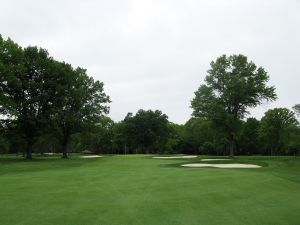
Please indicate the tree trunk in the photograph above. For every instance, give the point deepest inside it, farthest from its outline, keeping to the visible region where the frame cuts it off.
(231, 150)
(28, 151)
(64, 153)
(65, 147)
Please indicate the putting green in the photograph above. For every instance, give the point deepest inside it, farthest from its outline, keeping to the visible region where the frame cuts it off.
(138, 190)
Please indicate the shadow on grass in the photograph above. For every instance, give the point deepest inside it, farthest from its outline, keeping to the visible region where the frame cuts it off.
(17, 164)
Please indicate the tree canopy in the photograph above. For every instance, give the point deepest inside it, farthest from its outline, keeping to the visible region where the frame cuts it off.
(232, 86)
(50, 106)
(147, 130)
(37, 91)
(296, 109)
(275, 128)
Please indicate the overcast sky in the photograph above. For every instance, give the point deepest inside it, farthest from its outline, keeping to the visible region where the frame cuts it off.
(155, 54)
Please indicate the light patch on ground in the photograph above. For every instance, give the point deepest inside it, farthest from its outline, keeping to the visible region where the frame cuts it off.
(214, 159)
(91, 156)
(231, 165)
(48, 153)
(175, 157)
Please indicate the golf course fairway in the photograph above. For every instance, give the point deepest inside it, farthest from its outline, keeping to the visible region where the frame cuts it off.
(140, 190)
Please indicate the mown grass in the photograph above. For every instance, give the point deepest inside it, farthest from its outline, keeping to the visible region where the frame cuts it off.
(137, 189)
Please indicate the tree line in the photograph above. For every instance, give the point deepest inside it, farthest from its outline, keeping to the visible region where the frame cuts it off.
(47, 106)
(43, 98)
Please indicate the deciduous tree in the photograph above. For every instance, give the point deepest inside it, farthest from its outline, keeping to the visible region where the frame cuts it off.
(275, 127)
(22, 96)
(232, 86)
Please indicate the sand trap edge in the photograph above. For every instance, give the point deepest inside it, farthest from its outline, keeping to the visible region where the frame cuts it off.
(90, 156)
(214, 160)
(222, 166)
(175, 157)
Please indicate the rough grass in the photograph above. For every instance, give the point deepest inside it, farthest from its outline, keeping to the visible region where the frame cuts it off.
(140, 190)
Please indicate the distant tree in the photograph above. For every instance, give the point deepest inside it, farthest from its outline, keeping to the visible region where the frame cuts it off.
(4, 142)
(104, 135)
(249, 136)
(175, 140)
(98, 138)
(147, 131)
(201, 137)
(12, 136)
(296, 109)
(275, 127)
(120, 138)
(232, 86)
(293, 142)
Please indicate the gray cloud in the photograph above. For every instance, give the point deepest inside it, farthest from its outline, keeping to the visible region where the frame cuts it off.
(154, 54)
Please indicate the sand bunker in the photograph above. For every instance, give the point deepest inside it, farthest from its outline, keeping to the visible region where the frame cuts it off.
(214, 159)
(91, 156)
(231, 165)
(175, 157)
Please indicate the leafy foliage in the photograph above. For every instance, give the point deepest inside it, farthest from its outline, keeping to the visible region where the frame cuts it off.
(232, 86)
(275, 128)
(38, 93)
(145, 132)
(49, 106)
(296, 109)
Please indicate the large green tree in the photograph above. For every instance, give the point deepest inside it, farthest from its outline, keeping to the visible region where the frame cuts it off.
(79, 103)
(38, 93)
(23, 98)
(275, 129)
(232, 86)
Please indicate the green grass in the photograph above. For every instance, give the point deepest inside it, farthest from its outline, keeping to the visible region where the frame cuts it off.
(140, 190)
